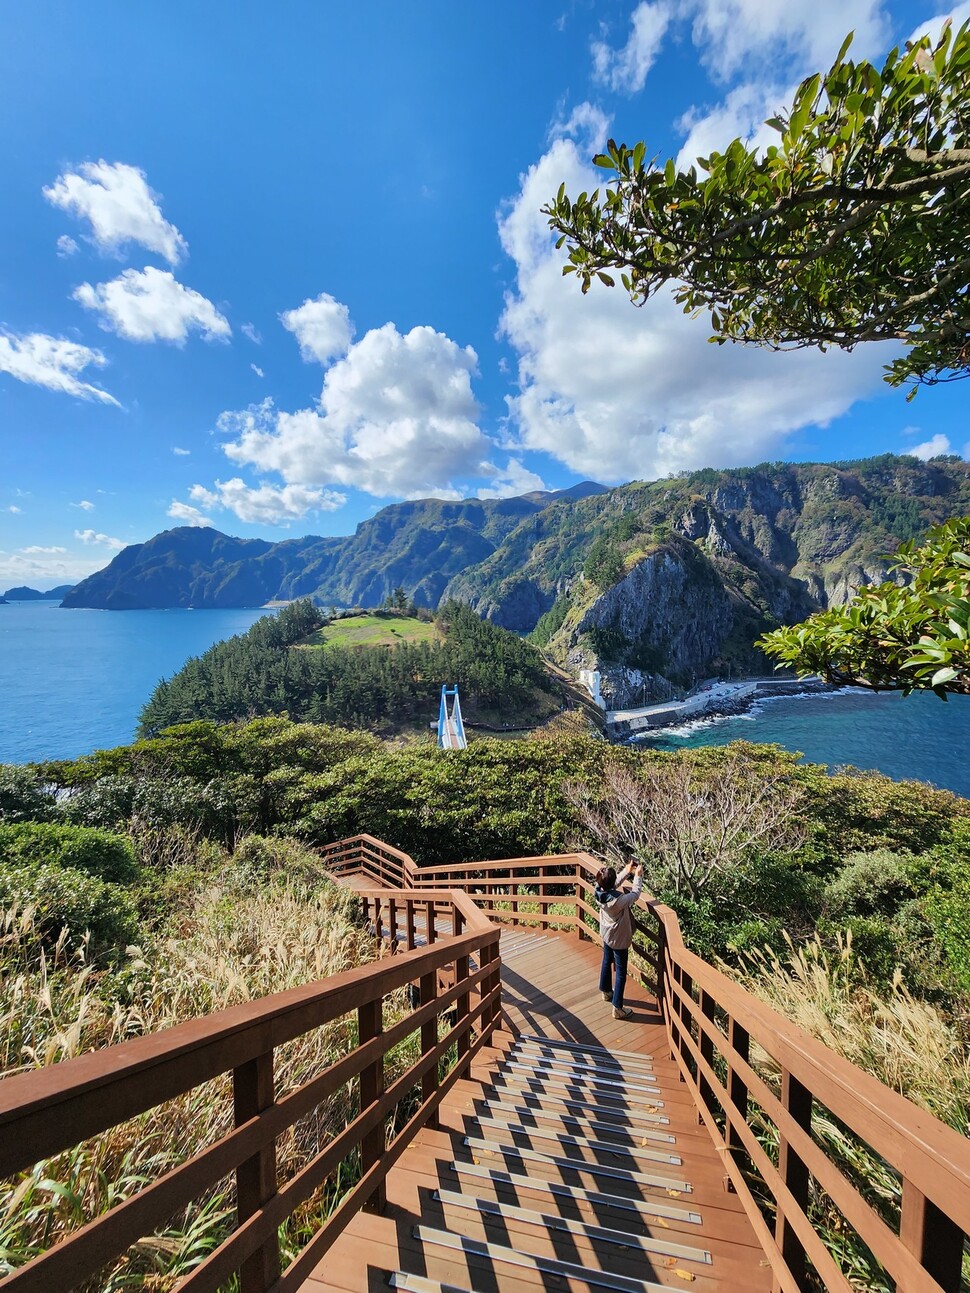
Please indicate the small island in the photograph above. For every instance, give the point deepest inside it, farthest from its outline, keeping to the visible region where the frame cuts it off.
(25, 594)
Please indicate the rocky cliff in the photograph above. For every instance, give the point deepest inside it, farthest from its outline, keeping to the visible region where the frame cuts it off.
(656, 583)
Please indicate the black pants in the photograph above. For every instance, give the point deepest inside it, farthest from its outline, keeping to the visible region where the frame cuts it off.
(614, 958)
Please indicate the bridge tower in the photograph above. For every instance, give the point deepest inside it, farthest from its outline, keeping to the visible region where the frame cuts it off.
(451, 728)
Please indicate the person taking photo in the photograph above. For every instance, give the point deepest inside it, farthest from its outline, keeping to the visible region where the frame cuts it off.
(616, 930)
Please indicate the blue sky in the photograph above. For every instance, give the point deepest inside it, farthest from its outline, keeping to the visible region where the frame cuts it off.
(270, 267)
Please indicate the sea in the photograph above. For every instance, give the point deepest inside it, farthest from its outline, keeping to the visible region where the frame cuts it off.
(72, 681)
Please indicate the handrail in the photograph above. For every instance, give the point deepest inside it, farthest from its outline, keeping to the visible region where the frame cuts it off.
(48, 1110)
(716, 1029)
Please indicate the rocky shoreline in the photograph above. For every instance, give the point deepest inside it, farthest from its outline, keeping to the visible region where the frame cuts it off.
(716, 700)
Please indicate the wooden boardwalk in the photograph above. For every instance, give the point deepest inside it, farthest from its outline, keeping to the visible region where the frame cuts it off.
(572, 1158)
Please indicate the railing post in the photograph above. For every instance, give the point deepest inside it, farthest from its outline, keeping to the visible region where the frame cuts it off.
(409, 922)
(252, 1092)
(935, 1241)
(429, 1040)
(686, 1021)
(489, 957)
(370, 1024)
(543, 903)
(429, 917)
(797, 1099)
(462, 1005)
(737, 1088)
(662, 971)
(392, 922)
(706, 1045)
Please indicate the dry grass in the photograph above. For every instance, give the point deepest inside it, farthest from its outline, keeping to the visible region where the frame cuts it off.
(234, 943)
(908, 1044)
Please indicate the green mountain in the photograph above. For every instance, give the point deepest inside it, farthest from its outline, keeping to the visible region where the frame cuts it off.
(24, 594)
(417, 546)
(654, 583)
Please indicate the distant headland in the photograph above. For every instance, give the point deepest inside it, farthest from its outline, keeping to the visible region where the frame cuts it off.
(24, 594)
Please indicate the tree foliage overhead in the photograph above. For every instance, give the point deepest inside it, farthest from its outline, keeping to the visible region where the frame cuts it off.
(894, 638)
(854, 226)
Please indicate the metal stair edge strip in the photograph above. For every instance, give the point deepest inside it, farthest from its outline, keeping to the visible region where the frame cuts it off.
(554, 1043)
(593, 1233)
(591, 1072)
(615, 1202)
(557, 1090)
(605, 1060)
(609, 1128)
(582, 1062)
(565, 1163)
(628, 1118)
(565, 1077)
(409, 1283)
(544, 1265)
(597, 1146)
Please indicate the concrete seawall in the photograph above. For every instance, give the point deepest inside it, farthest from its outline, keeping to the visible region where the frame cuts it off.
(717, 699)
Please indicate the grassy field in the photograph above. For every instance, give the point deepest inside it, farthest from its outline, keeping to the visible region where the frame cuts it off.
(369, 630)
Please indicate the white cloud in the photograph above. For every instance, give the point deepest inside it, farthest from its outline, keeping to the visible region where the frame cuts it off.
(257, 370)
(800, 36)
(52, 362)
(36, 551)
(249, 331)
(619, 393)
(180, 453)
(267, 504)
(66, 246)
(120, 206)
(85, 505)
(57, 567)
(740, 115)
(516, 479)
(627, 68)
(958, 15)
(322, 327)
(14, 509)
(396, 417)
(936, 444)
(151, 305)
(186, 514)
(103, 540)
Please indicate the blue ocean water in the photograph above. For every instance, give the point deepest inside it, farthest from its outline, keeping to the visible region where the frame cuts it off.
(918, 737)
(72, 681)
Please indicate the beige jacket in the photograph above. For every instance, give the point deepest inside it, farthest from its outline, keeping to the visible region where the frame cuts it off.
(616, 924)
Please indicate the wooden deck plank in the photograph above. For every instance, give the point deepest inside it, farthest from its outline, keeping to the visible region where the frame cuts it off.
(550, 991)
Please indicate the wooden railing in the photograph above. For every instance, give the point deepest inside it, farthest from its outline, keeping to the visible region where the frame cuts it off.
(455, 999)
(763, 1087)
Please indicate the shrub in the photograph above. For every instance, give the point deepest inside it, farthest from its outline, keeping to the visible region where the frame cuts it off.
(870, 884)
(95, 852)
(69, 903)
(24, 797)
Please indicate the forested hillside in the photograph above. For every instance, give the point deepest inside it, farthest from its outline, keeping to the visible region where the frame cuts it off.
(265, 671)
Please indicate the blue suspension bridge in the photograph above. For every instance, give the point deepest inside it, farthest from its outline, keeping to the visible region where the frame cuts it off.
(451, 728)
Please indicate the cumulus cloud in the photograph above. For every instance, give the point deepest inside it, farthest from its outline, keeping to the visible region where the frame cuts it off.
(516, 479)
(186, 514)
(102, 540)
(85, 505)
(267, 504)
(618, 393)
(800, 35)
(180, 453)
(36, 566)
(931, 448)
(121, 207)
(52, 362)
(322, 328)
(626, 68)
(396, 417)
(958, 15)
(14, 510)
(66, 246)
(151, 305)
